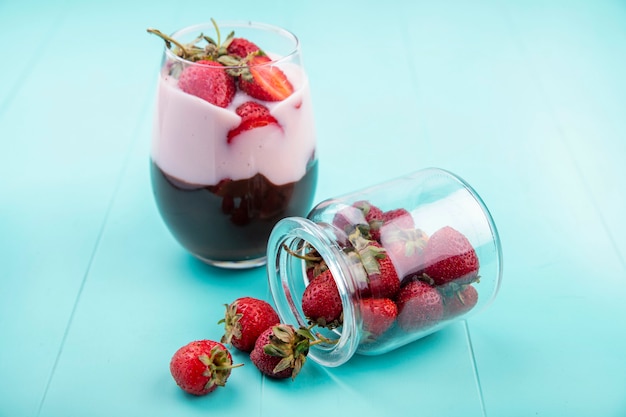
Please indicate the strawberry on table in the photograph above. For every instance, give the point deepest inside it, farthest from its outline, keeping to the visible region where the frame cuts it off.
(281, 350)
(252, 115)
(449, 256)
(378, 315)
(201, 366)
(244, 321)
(209, 81)
(419, 306)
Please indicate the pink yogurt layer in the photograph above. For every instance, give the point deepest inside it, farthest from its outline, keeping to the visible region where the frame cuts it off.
(190, 136)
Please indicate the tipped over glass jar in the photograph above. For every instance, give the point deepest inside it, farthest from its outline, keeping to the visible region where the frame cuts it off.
(375, 269)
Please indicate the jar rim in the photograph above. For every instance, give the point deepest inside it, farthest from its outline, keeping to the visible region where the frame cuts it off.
(233, 24)
(292, 232)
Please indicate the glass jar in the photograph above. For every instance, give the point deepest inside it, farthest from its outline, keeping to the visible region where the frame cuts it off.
(378, 268)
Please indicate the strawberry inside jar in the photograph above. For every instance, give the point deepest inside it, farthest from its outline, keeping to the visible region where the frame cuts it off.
(381, 267)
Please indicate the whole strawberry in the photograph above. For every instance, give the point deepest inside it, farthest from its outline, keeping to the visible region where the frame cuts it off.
(201, 366)
(348, 218)
(385, 283)
(378, 315)
(459, 300)
(281, 350)
(405, 247)
(244, 321)
(373, 216)
(241, 47)
(209, 81)
(321, 302)
(399, 217)
(383, 280)
(419, 306)
(449, 256)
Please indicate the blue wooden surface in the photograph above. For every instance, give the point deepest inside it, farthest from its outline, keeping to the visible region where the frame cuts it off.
(526, 100)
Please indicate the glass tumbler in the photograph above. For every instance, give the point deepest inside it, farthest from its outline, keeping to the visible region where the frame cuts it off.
(378, 268)
(233, 143)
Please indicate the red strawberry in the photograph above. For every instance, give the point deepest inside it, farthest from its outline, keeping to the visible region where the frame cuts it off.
(241, 47)
(245, 319)
(419, 306)
(266, 81)
(201, 366)
(449, 256)
(384, 284)
(281, 350)
(321, 303)
(373, 217)
(378, 315)
(405, 248)
(252, 115)
(459, 301)
(383, 280)
(209, 81)
(387, 282)
(348, 218)
(399, 217)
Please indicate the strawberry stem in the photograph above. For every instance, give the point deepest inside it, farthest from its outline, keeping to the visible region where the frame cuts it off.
(303, 257)
(322, 339)
(169, 41)
(314, 339)
(217, 31)
(227, 367)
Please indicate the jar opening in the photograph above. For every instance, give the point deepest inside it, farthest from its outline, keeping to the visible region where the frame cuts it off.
(288, 280)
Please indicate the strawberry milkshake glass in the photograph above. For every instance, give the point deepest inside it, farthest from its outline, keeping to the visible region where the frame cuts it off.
(233, 145)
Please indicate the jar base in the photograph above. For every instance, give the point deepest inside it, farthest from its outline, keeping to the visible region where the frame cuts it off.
(243, 264)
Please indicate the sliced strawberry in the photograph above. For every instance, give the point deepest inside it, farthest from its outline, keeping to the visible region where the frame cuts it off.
(265, 82)
(242, 47)
(209, 81)
(252, 110)
(252, 115)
